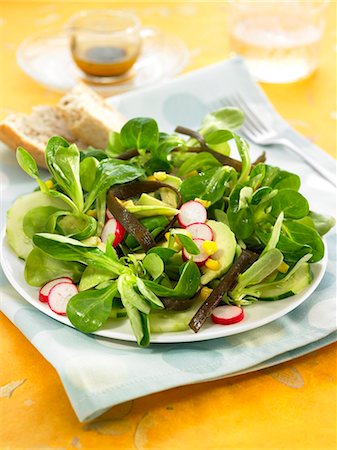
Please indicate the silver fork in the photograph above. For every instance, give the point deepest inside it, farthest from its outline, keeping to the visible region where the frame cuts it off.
(261, 133)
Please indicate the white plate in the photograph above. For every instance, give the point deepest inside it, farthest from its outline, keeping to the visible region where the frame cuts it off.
(45, 56)
(256, 315)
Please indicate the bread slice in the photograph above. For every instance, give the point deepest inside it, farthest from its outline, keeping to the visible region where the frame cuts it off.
(89, 116)
(33, 131)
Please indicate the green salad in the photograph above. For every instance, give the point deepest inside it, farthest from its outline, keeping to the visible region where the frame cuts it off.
(163, 230)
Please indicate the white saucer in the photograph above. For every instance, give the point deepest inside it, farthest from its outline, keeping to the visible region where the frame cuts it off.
(45, 57)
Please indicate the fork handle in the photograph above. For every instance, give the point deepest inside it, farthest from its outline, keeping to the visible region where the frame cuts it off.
(311, 162)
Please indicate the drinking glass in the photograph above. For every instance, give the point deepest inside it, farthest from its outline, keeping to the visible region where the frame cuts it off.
(279, 39)
(104, 43)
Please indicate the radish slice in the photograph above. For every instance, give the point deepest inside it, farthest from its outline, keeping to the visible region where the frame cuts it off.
(198, 259)
(192, 212)
(227, 314)
(59, 297)
(113, 226)
(44, 291)
(108, 214)
(200, 231)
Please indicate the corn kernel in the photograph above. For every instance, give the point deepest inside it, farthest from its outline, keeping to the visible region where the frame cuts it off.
(151, 178)
(283, 267)
(210, 247)
(212, 264)
(49, 184)
(167, 235)
(160, 176)
(205, 292)
(191, 174)
(92, 213)
(205, 203)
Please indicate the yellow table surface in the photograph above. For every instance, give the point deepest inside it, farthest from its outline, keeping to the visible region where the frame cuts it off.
(289, 406)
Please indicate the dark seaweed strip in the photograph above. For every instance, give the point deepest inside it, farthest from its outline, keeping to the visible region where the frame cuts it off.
(130, 223)
(128, 154)
(245, 259)
(135, 188)
(225, 160)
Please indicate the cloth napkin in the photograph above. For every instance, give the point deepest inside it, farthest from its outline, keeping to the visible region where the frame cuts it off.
(98, 373)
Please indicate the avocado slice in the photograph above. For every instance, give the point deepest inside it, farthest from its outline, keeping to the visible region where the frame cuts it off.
(226, 242)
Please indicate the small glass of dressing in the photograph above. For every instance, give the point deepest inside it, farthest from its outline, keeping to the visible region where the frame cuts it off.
(104, 44)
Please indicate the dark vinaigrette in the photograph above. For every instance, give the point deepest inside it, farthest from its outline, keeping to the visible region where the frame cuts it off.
(105, 61)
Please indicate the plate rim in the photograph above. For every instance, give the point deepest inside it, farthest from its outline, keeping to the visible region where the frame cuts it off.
(186, 336)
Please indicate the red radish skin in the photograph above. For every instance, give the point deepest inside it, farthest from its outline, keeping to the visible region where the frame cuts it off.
(59, 297)
(200, 231)
(113, 226)
(227, 314)
(44, 291)
(198, 259)
(192, 212)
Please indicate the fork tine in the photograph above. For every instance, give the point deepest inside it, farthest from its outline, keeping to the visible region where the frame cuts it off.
(253, 116)
(249, 125)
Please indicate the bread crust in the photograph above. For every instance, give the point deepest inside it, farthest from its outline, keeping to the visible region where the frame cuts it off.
(13, 139)
(82, 116)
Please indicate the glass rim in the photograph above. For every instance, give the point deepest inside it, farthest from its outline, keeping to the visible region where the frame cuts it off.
(134, 25)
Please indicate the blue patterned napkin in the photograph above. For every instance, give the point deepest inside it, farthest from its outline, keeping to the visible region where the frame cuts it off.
(98, 373)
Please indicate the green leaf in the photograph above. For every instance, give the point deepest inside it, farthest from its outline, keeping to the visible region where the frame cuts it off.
(148, 294)
(27, 162)
(88, 172)
(37, 219)
(226, 118)
(63, 161)
(89, 310)
(275, 235)
(167, 143)
(114, 146)
(68, 249)
(305, 236)
(108, 173)
(218, 137)
(140, 133)
(291, 202)
(152, 224)
(243, 149)
(164, 253)
(53, 144)
(187, 286)
(200, 161)
(100, 211)
(188, 244)
(93, 276)
(154, 265)
(78, 226)
(41, 268)
(286, 180)
(258, 271)
(210, 185)
(137, 309)
(322, 223)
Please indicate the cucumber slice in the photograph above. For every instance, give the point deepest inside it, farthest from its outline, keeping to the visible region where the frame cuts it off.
(294, 285)
(20, 243)
(173, 321)
(225, 240)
